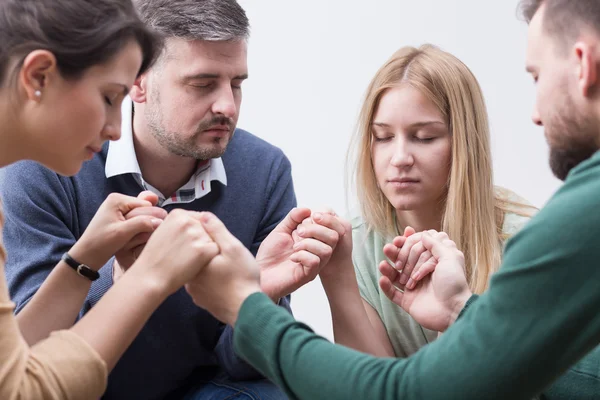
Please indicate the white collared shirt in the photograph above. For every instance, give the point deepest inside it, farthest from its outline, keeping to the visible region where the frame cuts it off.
(121, 159)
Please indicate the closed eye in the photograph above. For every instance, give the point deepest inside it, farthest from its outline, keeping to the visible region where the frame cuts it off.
(425, 139)
(382, 139)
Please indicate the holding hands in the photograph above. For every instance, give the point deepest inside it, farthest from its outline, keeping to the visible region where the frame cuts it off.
(177, 251)
(292, 255)
(120, 219)
(132, 249)
(432, 275)
(297, 250)
(219, 272)
(228, 278)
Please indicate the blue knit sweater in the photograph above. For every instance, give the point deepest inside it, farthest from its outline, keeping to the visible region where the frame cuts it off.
(181, 343)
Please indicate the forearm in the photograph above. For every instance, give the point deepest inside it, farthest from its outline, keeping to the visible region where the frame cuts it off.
(483, 355)
(304, 364)
(112, 324)
(59, 367)
(351, 324)
(57, 303)
(307, 366)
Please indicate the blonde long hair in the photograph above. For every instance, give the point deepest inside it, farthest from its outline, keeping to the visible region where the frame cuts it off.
(474, 210)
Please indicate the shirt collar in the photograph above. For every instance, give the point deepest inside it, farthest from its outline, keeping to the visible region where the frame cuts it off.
(121, 159)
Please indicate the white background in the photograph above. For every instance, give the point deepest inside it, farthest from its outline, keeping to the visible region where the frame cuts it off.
(310, 62)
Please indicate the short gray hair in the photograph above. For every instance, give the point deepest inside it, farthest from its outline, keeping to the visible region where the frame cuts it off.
(214, 20)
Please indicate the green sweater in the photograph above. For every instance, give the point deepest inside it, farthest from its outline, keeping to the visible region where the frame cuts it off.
(540, 315)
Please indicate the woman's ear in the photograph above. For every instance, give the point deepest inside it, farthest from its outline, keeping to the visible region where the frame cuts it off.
(36, 73)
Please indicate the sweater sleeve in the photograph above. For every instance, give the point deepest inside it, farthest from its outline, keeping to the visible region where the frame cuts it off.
(545, 297)
(62, 366)
(237, 368)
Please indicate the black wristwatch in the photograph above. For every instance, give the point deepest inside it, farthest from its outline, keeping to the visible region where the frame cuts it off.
(80, 268)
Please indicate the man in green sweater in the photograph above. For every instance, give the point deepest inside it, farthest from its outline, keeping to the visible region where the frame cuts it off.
(541, 312)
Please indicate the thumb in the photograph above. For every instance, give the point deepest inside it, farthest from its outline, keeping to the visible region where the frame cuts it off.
(148, 196)
(435, 246)
(409, 230)
(216, 229)
(128, 203)
(209, 251)
(391, 292)
(292, 220)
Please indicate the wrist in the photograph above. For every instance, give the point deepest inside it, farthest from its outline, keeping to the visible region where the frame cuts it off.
(273, 293)
(84, 255)
(334, 277)
(235, 304)
(275, 297)
(152, 284)
(458, 305)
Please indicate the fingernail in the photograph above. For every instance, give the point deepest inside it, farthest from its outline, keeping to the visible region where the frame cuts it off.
(296, 246)
(415, 276)
(410, 284)
(301, 231)
(398, 264)
(317, 216)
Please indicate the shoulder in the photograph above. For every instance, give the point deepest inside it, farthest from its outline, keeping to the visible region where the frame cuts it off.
(251, 158)
(567, 227)
(27, 170)
(360, 230)
(357, 221)
(33, 181)
(28, 179)
(246, 144)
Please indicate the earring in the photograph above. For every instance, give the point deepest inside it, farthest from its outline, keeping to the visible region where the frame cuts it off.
(37, 93)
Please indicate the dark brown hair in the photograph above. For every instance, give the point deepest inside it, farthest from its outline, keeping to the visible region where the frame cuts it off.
(80, 33)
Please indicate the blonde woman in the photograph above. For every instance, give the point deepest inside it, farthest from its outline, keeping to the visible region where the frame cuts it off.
(422, 160)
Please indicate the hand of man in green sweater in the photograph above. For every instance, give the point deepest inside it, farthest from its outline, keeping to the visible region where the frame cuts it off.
(438, 299)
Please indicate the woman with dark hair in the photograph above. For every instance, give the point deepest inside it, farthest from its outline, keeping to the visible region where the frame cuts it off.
(65, 67)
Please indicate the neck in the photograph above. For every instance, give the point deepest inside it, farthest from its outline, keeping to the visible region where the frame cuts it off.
(421, 219)
(13, 140)
(162, 169)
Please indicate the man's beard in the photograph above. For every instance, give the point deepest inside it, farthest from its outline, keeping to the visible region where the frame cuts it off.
(576, 136)
(562, 161)
(180, 145)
